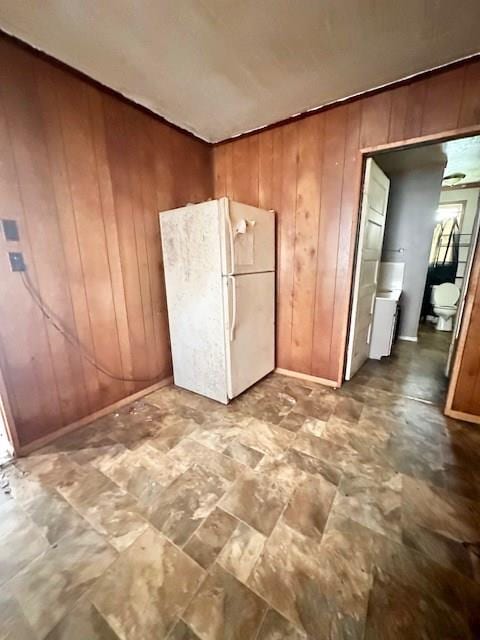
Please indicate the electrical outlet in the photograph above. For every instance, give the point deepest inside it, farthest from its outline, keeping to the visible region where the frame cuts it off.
(16, 261)
(10, 230)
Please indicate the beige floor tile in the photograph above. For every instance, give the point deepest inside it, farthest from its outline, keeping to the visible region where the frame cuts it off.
(145, 591)
(241, 551)
(225, 608)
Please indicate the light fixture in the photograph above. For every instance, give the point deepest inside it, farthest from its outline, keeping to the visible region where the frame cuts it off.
(453, 178)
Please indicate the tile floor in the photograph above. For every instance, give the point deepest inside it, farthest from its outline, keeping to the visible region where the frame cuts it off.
(295, 512)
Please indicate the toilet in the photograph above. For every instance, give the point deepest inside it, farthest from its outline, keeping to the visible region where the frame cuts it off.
(444, 300)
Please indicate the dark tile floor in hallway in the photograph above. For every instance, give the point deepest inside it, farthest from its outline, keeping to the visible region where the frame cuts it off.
(295, 512)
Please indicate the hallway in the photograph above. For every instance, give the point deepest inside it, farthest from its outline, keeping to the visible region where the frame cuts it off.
(295, 512)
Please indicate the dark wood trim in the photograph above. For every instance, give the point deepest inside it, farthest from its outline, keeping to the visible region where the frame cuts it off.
(96, 83)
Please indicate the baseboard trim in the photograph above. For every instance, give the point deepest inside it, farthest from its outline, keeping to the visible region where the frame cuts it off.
(460, 415)
(408, 338)
(73, 426)
(306, 376)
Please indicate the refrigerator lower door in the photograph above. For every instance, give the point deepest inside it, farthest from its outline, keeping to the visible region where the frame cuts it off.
(249, 329)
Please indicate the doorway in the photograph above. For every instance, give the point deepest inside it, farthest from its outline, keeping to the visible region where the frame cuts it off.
(411, 277)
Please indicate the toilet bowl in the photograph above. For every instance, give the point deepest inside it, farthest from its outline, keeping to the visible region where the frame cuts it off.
(444, 300)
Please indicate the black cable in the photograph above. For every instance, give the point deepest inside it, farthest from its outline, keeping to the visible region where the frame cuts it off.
(57, 324)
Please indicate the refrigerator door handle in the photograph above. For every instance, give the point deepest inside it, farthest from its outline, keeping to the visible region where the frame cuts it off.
(234, 308)
(231, 241)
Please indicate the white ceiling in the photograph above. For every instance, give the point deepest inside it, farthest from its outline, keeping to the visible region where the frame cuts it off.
(461, 156)
(222, 67)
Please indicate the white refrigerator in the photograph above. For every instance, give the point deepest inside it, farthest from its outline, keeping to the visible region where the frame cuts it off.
(219, 262)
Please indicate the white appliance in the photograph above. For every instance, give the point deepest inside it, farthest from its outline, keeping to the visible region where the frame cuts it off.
(444, 300)
(219, 262)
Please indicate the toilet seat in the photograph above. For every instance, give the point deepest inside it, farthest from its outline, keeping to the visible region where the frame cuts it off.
(446, 295)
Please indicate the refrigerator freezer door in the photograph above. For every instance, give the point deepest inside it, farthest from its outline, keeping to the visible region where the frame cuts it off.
(249, 329)
(192, 263)
(248, 238)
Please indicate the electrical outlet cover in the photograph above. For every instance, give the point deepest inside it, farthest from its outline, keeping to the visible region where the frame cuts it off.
(16, 261)
(10, 230)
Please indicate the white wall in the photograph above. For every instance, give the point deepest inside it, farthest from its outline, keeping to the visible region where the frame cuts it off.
(412, 205)
(470, 197)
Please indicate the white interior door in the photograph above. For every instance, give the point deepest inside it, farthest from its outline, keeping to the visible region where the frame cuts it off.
(249, 329)
(248, 238)
(370, 240)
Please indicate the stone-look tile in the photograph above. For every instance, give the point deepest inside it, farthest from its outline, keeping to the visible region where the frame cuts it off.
(182, 631)
(20, 540)
(462, 481)
(54, 516)
(314, 426)
(241, 551)
(50, 585)
(315, 466)
(348, 409)
(53, 470)
(147, 588)
(109, 509)
(440, 511)
(345, 566)
(336, 455)
(427, 576)
(276, 627)
(191, 452)
(142, 472)
(292, 421)
(373, 502)
(243, 454)
(265, 437)
(274, 406)
(410, 615)
(447, 552)
(182, 506)
(274, 458)
(225, 608)
(319, 404)
(14, 625)
(209, 539)
(258, 499)
(309, 507)
(218, 431)
(172, 433)
(82, 623)
(288, 576)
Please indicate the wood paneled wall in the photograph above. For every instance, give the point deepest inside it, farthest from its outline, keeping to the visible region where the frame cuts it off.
(463, 400)
(84, 173)
(310, 172)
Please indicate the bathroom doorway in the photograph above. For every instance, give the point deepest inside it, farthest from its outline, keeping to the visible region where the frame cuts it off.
(411, 315)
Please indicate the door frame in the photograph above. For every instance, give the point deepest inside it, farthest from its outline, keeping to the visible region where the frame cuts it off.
(6, 416)
(366, 152)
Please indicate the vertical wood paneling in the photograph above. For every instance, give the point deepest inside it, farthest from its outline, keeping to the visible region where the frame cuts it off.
(415, 107)
(319, 244)
(265, 169)
(352, 175)
(307, 218)
(470, 107)
(328, 239)
(443, 99)
(84, 174)
(286, 242)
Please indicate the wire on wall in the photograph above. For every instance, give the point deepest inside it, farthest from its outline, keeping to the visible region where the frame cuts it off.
(56, 322)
